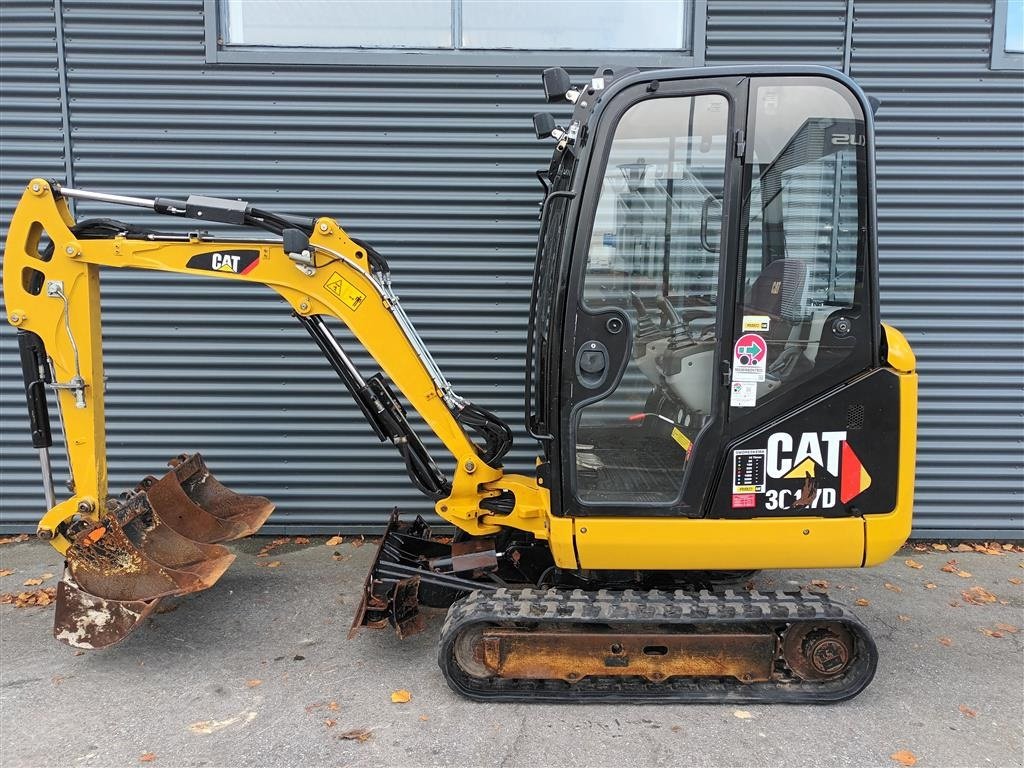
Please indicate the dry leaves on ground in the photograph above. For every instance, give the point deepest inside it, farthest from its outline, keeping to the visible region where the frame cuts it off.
(940, 547)
(270, 564)
(330, 722)
(14, 539)
(904, 757)
(892, 587)
(401, 697)
(147, 757)
(902, 617)
(742, 714)
(946, 641)
(268, 548)
(32, 582)
(358, 734)
(1014, 580)
(358, 542)
(967, 711)
(990, 632)
(5, 572)
(820, 584)
(301, 541)
(334, 541)
(978, 596)
(910, 563)
(253, 683)
(862, 601)
(41, 597)
(1008, 628)
(953, 566)
(930, 585)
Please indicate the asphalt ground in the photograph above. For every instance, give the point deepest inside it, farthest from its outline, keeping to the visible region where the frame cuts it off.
(257, 671)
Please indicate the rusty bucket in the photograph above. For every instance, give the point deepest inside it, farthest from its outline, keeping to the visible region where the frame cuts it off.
(158, 541)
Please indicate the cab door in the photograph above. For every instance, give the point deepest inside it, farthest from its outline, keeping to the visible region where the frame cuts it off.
(642, 389)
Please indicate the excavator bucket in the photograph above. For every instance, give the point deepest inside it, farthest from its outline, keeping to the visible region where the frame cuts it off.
(155, 542)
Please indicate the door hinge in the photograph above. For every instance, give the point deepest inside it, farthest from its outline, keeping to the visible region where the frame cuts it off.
(740, 143)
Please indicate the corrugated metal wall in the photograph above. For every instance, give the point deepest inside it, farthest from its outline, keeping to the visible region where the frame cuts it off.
(435, 167)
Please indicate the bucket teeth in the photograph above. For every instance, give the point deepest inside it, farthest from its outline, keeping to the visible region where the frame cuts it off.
(156, 542)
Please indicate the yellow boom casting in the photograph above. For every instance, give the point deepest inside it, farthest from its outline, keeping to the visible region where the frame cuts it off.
(708, 380)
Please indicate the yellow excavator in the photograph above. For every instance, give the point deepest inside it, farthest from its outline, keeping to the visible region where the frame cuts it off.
(708, 382)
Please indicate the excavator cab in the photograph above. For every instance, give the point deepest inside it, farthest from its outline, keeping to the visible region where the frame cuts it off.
(706, 340)
(707, 379)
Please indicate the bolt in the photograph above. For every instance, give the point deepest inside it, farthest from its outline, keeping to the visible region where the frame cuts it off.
(84, 507)
(444, 507)
(35, 187)
(69, 250)
(16, 319)
(304, 306)
(583, 530)
(807, 531)
(45, 534)
(324, 228)
(470, 466)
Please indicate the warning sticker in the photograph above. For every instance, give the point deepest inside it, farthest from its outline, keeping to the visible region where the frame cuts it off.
(743, 394)
(683, 440)
(757, 323)
(749, 358)
(748, 471)
(350, 296)
(744, 500)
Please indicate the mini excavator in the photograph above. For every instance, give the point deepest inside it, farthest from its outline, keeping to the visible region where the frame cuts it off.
(708, 382)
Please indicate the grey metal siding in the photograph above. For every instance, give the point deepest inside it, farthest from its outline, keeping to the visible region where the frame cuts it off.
(951, 243)
(435, 166)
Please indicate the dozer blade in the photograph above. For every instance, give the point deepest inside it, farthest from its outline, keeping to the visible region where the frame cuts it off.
(156, 542)
(245, 514)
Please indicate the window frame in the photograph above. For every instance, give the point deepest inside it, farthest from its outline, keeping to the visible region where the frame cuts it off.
(217, 52)
(1003, 59)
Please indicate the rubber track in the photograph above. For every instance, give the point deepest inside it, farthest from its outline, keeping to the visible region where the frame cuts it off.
(709, 612)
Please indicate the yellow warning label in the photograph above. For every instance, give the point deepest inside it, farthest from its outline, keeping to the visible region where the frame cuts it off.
(350, 296)
(682, 439)
(746, 489)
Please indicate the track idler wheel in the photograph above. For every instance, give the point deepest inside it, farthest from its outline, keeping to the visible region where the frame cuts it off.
(818, 651)
(152, 543)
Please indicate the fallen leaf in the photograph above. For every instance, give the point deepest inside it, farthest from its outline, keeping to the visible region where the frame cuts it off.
(253, 683)
(338, 557)
(1014, 580)
(892, 587)
(967, 711)
(951, 566)
(5, 571)
(742, 714)
(978, 596)
(32, 582)
(424, 718)
(820, 584)
(964, 574)
(862, 601)
(930, 585)
(147, 757)
(913, 564)
(903, 617)
(401, 697)
(990, 632)
(940, 547)
(301, 541)
(334, 541)
(41, 597)
(920, 548)
(14, 539)
(904, 757)
(1009, 628)
(358, 542)
(270, 564)
(963, 548)
(946, 641)
(954, 604)
(330, 723)
(359, 734)
(333, 706)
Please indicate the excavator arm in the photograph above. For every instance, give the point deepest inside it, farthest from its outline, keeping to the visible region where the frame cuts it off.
(52, 297)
